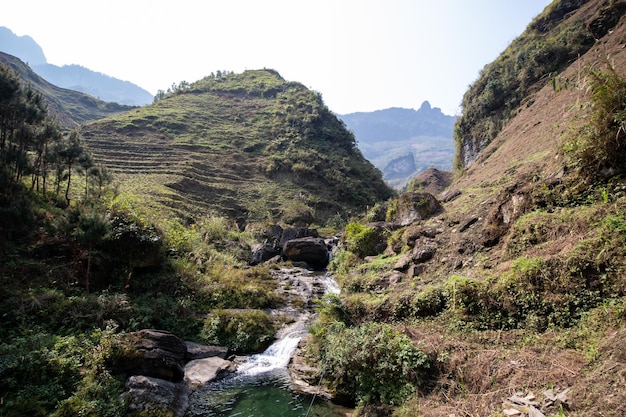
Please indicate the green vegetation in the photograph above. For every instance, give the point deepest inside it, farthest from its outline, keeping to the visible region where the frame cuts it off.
(374, 362)
(250, 146)
(239, 331)
(550, 43)
(598, 148)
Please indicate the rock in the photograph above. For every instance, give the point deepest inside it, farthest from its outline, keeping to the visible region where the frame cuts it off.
(198, 351)
(403, 263)
(423, 253)
(416, 206)
(449, 195)
(147, 393)
(200, 371)
(264, 253)
(311, 250)
(152, 353)
(296, 233)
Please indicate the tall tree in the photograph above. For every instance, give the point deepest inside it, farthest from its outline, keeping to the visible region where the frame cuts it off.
(70, 153)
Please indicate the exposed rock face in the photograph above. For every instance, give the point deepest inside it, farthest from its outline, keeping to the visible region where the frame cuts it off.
(146, 393)
(296, 233)
(416, 206)
(153, 353)
(311, 250)
(198, 351)
(264, 253)
(296, 244)
(159, 376)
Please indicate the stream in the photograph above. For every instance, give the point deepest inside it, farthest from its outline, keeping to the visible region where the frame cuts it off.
(261, 386)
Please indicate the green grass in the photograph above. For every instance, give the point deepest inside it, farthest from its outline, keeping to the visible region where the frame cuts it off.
(220, 145)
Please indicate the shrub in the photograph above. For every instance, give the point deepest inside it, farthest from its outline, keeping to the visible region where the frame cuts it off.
(239, 331)
(362, 240)
(599, 149)
(374, 363)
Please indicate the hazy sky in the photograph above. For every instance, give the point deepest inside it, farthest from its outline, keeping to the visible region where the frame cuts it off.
(361, 55)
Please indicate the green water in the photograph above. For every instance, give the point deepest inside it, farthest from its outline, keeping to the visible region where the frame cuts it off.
(264, 397)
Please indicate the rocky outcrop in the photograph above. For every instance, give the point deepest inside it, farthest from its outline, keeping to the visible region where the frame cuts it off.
(147, 393)
(201, 371)
(152, 353)
(162, 369)
(415, 206)
(296, 244)
(311, 250)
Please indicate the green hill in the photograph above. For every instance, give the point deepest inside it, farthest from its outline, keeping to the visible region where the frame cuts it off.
(251, 145)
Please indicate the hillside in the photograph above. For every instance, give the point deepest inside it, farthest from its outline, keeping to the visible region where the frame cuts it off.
(73, 77)
(515, 287)
(249, 145)
(552, 42)
(71, 108)
(404, 142)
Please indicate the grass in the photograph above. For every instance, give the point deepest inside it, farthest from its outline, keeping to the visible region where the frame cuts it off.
(221, 144)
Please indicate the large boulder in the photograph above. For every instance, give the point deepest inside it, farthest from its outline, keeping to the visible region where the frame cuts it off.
(157, 395)
(201, 371)
(264, 253)
(415, 206)
(152, 353)
(296, 233)
(311, 250)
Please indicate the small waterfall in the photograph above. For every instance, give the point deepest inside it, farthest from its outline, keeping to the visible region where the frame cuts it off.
(275, 357)
(260, 386)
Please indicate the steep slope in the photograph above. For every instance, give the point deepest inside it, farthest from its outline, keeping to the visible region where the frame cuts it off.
(517, 285)
(554, 40)
(70, 108)
(404, 142)
(250, 145)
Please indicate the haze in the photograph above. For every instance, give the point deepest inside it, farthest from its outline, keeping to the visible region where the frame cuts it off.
(362, 55)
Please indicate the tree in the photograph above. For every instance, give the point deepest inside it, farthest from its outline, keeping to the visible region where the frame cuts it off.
(70, 152)
(92, 229)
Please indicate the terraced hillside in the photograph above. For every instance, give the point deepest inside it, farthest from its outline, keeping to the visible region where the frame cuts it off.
(249, 145)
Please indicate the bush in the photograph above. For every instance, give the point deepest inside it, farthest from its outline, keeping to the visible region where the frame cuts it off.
(363, 240)
(599, 149)
(240, 331)
(374, 364)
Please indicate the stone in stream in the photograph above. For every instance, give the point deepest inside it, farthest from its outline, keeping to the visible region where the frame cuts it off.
(311, 250)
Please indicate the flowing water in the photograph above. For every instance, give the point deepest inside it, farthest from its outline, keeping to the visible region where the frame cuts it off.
(261, 385)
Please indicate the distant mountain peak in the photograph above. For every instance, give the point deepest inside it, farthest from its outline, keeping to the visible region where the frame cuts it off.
(425, 106)
(23, 47)
(74, 77)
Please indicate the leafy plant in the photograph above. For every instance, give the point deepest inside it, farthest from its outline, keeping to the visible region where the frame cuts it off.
(375, 363)
(240, 331)
(598, 149)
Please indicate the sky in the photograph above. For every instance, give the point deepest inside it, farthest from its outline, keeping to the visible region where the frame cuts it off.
(361, 55)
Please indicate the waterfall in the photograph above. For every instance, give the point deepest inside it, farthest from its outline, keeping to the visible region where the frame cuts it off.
(261, 385)
(275, 357)
(278, 355)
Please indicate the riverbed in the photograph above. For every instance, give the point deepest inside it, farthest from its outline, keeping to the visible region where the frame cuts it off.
(261, 386)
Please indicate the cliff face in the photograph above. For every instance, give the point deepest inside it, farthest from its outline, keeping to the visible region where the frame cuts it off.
(556, 39)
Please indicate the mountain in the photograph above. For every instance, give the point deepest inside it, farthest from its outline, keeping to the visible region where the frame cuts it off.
(251, 146)
(71, 108)
(74, 77)
(516, 283)
(404, 142)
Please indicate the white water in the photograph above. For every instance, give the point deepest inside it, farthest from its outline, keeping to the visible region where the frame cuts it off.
(278, 355)
(275, 357)
(260, 386)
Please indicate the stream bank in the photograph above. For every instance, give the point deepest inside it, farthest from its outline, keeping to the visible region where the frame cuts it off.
(188, 379)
